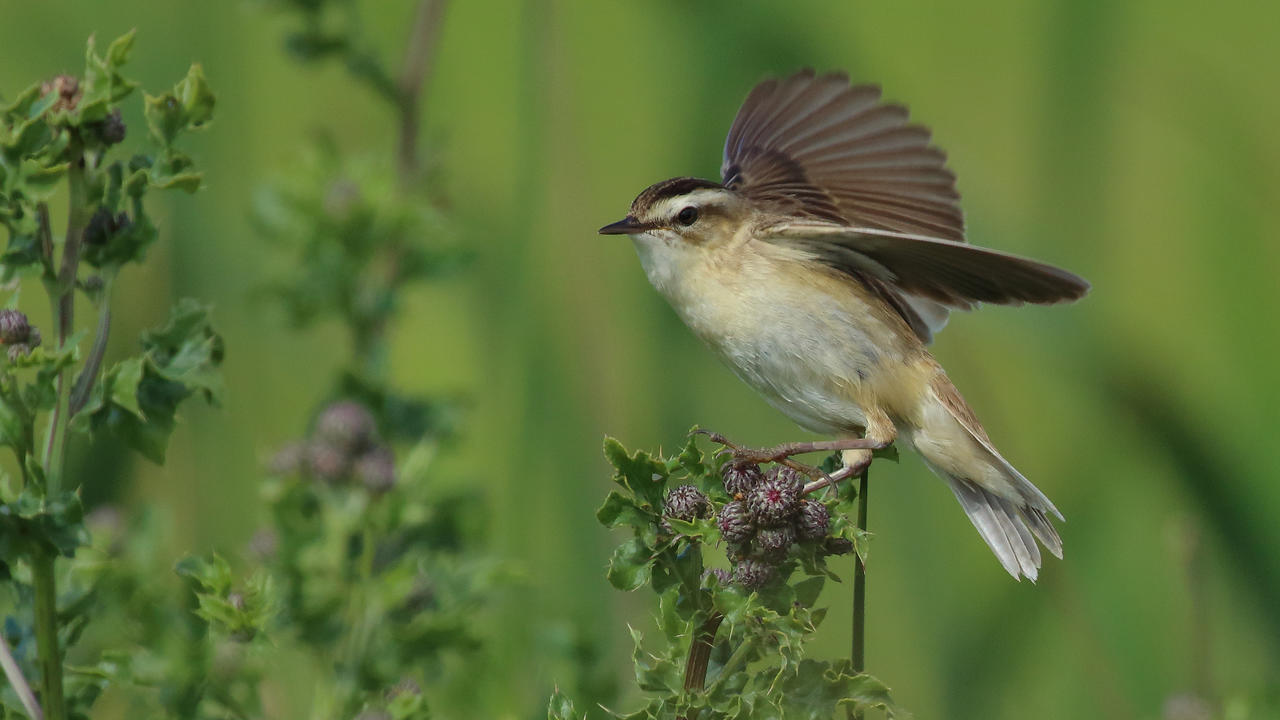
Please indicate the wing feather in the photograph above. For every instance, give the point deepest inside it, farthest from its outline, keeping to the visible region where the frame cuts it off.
(952, 274)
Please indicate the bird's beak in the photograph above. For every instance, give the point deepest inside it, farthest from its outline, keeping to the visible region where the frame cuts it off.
(625, 226)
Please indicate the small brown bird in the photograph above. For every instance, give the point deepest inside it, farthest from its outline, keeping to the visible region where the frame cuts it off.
(821, 266)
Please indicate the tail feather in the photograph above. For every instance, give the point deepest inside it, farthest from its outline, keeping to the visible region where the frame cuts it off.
(1007, 510)
(1001, 526)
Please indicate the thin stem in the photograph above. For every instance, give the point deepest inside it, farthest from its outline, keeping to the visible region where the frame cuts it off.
(418, 55)
(62, 295)
(50, 659)
(19, 683)
(859, 656)
(84, 383)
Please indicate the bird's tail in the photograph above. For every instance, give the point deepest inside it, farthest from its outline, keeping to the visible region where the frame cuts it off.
(1009, 512)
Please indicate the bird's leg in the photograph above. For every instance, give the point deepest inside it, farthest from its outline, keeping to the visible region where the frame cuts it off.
(783, 453)
(880, 433)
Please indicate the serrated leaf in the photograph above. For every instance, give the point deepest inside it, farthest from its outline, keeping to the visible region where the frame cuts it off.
(631, 565)
(638, 472)
(619, 509)
(560, 707)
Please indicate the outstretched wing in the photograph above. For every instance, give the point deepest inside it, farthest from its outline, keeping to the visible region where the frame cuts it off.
(819, 150)
(815, 146)
(943, 272)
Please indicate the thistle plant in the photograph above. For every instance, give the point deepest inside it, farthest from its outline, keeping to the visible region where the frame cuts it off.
(738, 557)
(65, 136)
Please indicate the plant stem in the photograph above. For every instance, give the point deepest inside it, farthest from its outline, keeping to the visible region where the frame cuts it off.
(418, 55)
(859, 657)
(695, 670)
(62, 296)
(46, 609)
(860, 586)
(19, 683)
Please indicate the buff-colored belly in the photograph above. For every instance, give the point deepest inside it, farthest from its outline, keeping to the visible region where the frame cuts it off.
(816, 347)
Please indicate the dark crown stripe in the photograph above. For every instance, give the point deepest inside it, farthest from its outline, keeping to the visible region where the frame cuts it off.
(674, 187)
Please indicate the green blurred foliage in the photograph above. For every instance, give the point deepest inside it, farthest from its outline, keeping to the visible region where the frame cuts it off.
(1133, 142)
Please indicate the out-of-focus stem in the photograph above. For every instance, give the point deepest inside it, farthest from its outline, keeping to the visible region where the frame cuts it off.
(418, 55)
(62, 297)
(50, 659)
(19, 683)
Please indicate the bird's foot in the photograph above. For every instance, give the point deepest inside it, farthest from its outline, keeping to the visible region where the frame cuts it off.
(783, 453)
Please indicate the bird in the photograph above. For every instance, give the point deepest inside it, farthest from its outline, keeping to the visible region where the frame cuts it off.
(819, 268)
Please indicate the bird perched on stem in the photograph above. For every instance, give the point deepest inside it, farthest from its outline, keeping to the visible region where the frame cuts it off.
(819, 269)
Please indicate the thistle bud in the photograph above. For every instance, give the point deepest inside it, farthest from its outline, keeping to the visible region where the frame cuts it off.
(753, 573)
(774, 542)
(349, 425)
(112, 129)
(14, 327)
(686, 503)
(776, 499)
(724, 577)
(376, 470)
(740, 477)
(735, 523)
(327, 462)
(814, 521)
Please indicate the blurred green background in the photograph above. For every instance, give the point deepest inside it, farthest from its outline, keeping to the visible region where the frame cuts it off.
(1134, 142)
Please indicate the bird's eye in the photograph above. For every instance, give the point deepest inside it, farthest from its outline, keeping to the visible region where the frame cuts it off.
(688, 216)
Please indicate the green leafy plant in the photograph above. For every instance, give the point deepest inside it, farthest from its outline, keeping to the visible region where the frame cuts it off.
(738, 558)
(67, 135)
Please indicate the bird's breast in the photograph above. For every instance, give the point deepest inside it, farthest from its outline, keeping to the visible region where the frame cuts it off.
(819, 347)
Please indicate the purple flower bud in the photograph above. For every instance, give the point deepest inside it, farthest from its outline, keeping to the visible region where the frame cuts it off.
(724, 577)
(348, 425)
(740, 477)
(735, 523)
(327, 462)
(376, 470)
(815, 520)
(776, 500)
(753, 573)
(14, 327)
(686, 502)
(775, 541)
